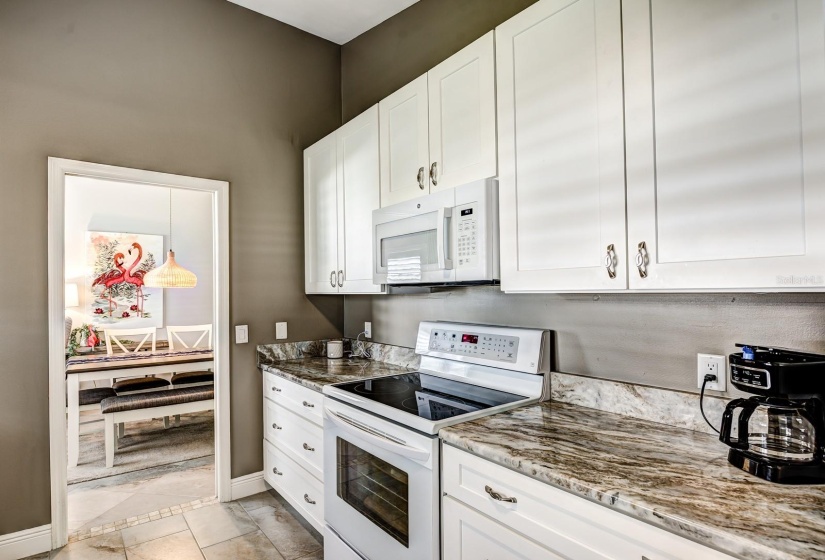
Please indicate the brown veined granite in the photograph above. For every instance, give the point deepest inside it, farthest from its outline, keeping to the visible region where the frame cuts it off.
(673, 478)
(314, 373)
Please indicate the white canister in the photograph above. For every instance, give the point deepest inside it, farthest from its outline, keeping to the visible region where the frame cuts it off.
(335, 349)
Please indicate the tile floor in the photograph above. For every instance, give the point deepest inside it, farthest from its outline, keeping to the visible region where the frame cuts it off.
(125, 498)
(262, 526)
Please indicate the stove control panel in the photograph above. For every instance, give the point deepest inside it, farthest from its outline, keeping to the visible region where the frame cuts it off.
(500, 348)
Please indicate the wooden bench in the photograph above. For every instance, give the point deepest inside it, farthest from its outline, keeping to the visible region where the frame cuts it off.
(145, 406)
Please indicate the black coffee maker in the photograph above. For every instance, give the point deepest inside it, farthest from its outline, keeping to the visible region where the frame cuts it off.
(780, 433)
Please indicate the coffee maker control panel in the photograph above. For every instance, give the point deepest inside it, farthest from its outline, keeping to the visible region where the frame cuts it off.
(751, 376)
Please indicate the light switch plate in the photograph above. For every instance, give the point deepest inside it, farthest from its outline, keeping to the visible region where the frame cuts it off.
(280, 331)
(241, 334)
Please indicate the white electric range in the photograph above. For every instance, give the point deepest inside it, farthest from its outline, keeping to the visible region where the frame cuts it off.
(381, 467)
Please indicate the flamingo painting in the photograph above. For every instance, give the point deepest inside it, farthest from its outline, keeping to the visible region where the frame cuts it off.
(136, 277)
(112, 277)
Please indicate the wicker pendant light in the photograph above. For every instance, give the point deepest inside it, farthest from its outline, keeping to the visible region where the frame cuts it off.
(170, 274)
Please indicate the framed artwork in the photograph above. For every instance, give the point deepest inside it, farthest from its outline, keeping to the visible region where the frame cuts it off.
(115, 294)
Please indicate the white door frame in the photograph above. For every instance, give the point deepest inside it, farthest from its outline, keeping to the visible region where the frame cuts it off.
(58, 170)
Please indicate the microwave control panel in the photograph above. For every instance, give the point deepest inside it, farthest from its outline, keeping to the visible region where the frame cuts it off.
(464, 343)
(467, 234)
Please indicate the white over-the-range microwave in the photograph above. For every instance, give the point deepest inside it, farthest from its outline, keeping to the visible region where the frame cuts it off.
(441, 239)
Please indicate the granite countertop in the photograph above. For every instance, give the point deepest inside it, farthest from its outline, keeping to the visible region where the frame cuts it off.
(670, 477)
(315, 372)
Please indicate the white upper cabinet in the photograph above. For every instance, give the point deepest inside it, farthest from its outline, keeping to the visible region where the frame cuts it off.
(321, 216)
(439, 131)
(404, 143)
(561, 147)
(358, 196)
(341, 189)
(725, 113)
(462, 111)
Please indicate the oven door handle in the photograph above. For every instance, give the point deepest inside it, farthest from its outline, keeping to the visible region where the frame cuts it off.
(442, 237)
(376, 438)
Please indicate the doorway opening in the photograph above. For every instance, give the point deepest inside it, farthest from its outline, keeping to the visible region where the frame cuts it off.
(155, 441)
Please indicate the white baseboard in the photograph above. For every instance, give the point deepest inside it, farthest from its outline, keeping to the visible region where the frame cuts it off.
(248, 485)
(27, 543)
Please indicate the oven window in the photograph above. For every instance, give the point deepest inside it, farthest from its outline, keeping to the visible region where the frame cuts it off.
(375, 488)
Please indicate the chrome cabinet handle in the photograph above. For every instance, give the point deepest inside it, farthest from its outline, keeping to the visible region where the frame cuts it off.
(308, 500)
(308, 448)
(497, 496)
(275, 426)
(308, 405)
(332, 278)
(433, 173)
(642, 259)
(340, 278)
(276, 471)
(420, 178)
(274, 388)
(610, 261)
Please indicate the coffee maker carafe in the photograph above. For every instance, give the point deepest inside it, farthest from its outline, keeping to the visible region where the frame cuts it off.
(779, 434)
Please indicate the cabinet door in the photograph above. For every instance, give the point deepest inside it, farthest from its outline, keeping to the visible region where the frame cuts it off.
(725, 123)
(561, 147)
(358, 196)
(469, 535)
(320, 217)
(462, 109)
(404, 144)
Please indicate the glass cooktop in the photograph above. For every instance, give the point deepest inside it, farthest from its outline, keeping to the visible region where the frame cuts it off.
(428, 396)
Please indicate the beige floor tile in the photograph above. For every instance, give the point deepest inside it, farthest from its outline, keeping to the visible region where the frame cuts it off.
(136, 505)
(103, 547)
(179, 546)
(258, 501)
(153, 530)
(287, 534)
(317, 555)
(218, 523)
(86, 506)
(250, 546)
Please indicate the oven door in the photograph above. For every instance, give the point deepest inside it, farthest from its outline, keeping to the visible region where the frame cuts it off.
(412, 241)
(380, 485)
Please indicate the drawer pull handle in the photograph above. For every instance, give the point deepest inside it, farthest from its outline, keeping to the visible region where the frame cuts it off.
(309, 500)
(308, 405)
(274, 388)
(276, 471)
(308, 448)
(275, 426)
(642, 259)
(500, 497)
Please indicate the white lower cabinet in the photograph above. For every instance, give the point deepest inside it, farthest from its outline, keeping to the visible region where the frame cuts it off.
(541, 522)
(294, 446)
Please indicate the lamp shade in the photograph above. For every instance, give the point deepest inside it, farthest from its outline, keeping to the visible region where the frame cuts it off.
(170, 275)
(71, 295)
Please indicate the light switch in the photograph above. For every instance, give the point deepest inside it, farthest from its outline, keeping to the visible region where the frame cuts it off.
(241, 334)
(280, 331)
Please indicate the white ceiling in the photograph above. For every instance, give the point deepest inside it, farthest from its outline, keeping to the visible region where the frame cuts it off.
(335, 20)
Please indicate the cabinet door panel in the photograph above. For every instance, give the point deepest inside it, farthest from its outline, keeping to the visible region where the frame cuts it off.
(561, 150)
(724, 121)
(404, 143)
(320, 216)
(462, 114)
(358, 194)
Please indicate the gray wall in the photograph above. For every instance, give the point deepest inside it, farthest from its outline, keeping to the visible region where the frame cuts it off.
(650, 339)
(388, 56)
(194, 87)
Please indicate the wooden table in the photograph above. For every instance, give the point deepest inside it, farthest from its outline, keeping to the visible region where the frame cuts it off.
(86, 368)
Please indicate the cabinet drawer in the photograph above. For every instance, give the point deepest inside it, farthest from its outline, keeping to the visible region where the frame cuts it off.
(469, 535)
(299, 438)
(301, 489)
(304, 402)
(558, 520)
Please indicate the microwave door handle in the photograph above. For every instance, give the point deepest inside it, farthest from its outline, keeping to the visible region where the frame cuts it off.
(375, 439)
(444, 263)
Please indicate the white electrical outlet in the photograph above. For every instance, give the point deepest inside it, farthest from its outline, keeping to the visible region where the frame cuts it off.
(241, 334)
(367, 329)
(715, 365)
(280, 331)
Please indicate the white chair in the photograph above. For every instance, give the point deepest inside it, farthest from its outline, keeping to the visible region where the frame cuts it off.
(89, 398)
(203, 340)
